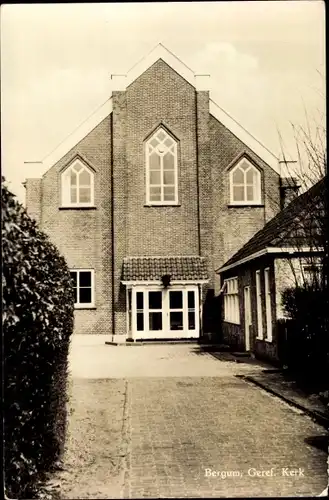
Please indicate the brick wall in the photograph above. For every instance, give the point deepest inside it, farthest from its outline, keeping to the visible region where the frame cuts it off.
(158, 97)
(33, 198)
(234, 226)
(202, 223)
(234, 334)
(120, 134)
(83, 236)
(161, 96)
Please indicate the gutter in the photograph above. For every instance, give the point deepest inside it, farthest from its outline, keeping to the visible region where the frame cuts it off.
(268, 250)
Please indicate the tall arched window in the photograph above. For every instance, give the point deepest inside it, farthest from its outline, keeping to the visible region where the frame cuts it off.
(245, 184)
(161, 169)
(78, 185)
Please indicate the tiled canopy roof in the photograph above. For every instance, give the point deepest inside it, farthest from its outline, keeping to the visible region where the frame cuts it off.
(294, 226)
(190, 268)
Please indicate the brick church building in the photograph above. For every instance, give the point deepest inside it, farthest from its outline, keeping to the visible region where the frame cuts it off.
(152, 194)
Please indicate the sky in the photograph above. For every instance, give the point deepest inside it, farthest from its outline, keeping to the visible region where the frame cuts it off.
(266, 60)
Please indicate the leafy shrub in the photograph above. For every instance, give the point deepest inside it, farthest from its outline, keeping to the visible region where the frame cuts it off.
(37, 305)
(308, 341)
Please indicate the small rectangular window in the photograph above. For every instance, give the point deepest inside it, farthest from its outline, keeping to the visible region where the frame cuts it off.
(83, 282)
(231, 301)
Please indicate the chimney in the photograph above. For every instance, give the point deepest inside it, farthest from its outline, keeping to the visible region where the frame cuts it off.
(289, 189)
(33, 198)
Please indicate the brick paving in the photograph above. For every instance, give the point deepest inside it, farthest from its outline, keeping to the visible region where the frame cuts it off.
(181, 427)
(182, 413)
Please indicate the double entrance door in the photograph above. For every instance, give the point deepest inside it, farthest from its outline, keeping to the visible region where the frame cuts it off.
(157, 312)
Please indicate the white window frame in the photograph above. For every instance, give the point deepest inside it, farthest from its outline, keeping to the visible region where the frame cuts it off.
(146, 332)
(256, 185)
(268, 305)
(161, 185)
(231, 301)
(260, 333)
(91, 304)
(66, 187)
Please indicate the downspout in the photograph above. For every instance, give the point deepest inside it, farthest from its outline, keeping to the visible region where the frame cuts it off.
(197, 170)
(112, 229)
(198, 211)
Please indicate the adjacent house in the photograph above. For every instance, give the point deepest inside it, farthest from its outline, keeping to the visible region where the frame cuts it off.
(286, 252)
(156, 190)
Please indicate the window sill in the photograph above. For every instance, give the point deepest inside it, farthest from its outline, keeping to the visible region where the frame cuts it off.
(260, 338)
(150, 205)
(81, 307)
(78, 207)
(269, 341)
(246, 205)
(231, 322)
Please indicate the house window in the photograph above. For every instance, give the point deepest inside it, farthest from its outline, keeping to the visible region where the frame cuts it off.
(165, 313)
(161, 169)
(77, 186)
(268, 305)
(245, 184)
(83, 280)
(313, 274)
(259, 307)
(231, 301)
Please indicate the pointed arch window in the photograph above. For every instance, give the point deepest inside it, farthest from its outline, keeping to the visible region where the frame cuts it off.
(245, 184)
(78, 186)
(161, 169)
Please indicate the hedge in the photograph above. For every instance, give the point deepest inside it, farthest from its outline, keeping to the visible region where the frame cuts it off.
(307, 332)
(37, 315)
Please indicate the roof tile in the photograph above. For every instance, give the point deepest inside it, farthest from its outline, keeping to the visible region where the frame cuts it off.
(153, 268)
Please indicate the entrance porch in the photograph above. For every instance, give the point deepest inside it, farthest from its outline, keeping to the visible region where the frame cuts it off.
(163, 297)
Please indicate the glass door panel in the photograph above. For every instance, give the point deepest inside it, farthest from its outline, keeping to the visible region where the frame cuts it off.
(176, 317)
(155, 310)
(191, 309)
(139, 311)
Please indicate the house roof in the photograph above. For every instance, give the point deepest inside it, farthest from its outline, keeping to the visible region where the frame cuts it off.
(181, 268)
(120, 82)
(287, 229)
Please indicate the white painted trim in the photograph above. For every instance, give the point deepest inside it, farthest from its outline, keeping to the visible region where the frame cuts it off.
(147, 170)
(241, 133)
(257, 185)
(165, 309)
(232, 315)
(278, 250)
(78, 205)
(66, 186)
(292, 250)
(247, 316)
(259, 306)
(121, 82)
(159, 282)
(242, 261)
(90, 305)
(72, 140)
(268, 304)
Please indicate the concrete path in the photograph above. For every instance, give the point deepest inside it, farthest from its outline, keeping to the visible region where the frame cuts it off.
(169, 421)
(91, 358)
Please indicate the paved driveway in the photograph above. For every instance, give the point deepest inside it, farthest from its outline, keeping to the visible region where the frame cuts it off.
(91, 358)
(169, 421)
